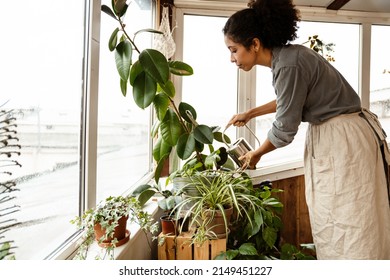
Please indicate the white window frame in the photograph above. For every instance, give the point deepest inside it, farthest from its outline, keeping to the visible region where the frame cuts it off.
(89, 138)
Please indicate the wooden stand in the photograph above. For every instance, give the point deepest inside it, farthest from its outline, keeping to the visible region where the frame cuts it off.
(180, 248)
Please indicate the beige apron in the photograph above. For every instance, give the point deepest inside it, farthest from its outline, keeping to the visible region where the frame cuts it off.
(346, 188)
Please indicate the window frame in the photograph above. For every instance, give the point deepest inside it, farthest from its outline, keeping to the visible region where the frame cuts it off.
(89, 126)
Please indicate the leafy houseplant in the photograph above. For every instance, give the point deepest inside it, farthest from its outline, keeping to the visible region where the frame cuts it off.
(167, 202)
(176, 128)
(106, 217)
(217, 191)
(259, 240)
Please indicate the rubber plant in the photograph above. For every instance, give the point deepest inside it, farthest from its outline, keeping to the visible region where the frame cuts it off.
(148, 72)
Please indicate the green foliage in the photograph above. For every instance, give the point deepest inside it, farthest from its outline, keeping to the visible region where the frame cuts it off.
(149, 76)
(219, 190)
(256, 236)
(107, 214)
(318, 45)
(168, 201)
(290, 252)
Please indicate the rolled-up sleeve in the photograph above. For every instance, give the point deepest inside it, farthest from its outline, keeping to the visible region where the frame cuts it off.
(291, 89)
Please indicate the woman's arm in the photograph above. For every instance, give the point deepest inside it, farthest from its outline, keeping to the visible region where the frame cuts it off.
(242, 118)
(251, 158)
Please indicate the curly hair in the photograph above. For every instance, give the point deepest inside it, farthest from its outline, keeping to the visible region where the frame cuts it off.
(273, 22)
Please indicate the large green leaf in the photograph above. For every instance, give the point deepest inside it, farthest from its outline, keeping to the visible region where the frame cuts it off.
(171, 128)
(199, 147)
(204, 134)
(123, 52)
(123, 85)
(135, 70)
(148, 30)
(160, 149)
(254, 227)
(140, 189)
(113, 39)
(120, 7)
(183, 108)
(167, 203)
(155, 129)
(270, 235)
(145, 196)
(185, 146)
(155, 64)
(248, 249)
(159, 168)
(180, 68)
(144, 90)
(228, 255)
(169, 89)
(108, 11)
(220, 137)
(161, 104)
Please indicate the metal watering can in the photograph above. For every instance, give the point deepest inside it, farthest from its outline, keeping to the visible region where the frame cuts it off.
(239, 148)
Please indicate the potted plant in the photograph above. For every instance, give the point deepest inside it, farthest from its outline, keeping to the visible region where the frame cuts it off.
(167, 199)
(259, 239)
(223, 194)
(106, 224)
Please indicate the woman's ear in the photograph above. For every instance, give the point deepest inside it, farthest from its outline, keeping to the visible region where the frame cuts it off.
(256, 44)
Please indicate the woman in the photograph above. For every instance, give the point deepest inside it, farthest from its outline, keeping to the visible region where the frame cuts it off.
(345, 177)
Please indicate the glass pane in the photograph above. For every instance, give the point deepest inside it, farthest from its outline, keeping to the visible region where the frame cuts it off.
(346, 61)
(380, 75)
(212, 89)
(41, 61)
(123, 128)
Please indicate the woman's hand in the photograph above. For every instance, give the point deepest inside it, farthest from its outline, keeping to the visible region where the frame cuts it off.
(250, 159)
(239, 119)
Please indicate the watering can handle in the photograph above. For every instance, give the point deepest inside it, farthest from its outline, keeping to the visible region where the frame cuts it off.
(223, 134)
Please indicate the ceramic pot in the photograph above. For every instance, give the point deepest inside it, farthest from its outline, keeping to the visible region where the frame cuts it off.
(168, 225)
(120, 233)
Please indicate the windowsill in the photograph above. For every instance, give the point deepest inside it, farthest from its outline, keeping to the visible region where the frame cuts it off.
(277, 171)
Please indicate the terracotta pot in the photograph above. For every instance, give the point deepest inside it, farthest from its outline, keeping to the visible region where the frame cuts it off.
(169, 225)
(120, 233)
(217, 224)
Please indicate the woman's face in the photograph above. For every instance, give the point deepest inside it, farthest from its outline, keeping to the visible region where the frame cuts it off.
(243, 58)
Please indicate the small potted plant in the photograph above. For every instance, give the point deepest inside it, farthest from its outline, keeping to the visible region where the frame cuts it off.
(106, 224)
(167, 202)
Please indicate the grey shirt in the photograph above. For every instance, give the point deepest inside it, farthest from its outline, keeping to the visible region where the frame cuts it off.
(309, 89)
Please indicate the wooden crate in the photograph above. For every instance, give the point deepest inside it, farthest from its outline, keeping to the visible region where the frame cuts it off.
(180, 248)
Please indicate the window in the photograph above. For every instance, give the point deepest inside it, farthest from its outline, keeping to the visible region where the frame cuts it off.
(123, 128)
(42, 64)
(346, 61)
(44, 89)
(380, 74)
(212, 89)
